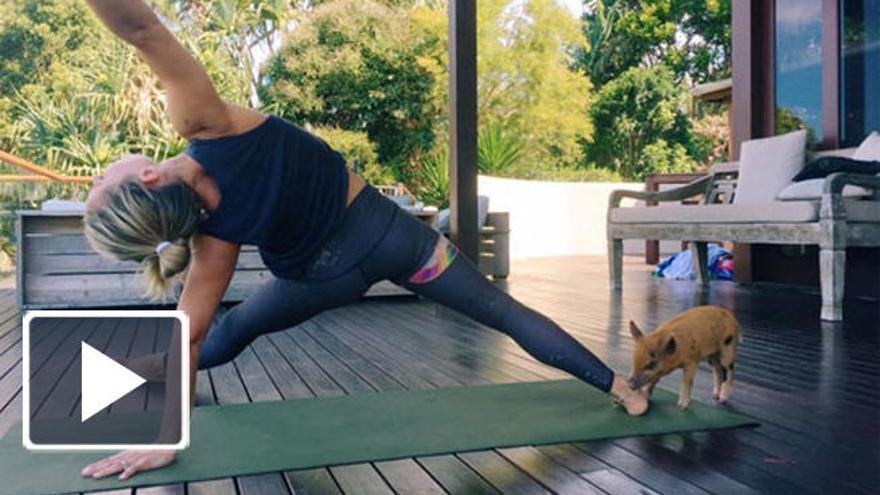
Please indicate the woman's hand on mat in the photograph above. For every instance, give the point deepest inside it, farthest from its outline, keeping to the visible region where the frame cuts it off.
(128, 463)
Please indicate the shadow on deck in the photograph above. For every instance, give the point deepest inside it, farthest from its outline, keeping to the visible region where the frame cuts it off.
(812, 385)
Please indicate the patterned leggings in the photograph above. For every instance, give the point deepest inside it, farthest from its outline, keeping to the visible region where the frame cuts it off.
(378, 241)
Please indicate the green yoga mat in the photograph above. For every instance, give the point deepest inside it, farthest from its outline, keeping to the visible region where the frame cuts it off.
(273, 436)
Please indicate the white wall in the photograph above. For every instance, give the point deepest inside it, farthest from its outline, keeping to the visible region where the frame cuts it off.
(556, 218)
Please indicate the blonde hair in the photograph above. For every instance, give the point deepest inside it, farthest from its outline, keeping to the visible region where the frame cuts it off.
(152, 226)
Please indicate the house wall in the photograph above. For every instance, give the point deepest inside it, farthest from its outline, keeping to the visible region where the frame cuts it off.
(557, 218)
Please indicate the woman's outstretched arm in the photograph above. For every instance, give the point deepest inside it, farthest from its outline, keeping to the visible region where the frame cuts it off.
(212, 266)
(194, 106)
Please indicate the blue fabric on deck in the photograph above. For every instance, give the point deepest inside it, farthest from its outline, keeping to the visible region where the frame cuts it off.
(680, 266)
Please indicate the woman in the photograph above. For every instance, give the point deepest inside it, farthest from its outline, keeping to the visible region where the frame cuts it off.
(324, 233)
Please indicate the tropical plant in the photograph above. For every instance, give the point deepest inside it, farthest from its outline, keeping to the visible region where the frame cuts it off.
(497, 150)
(432, 185)
(90, 101)
(75, 98)
(602, 54)
(247, 31)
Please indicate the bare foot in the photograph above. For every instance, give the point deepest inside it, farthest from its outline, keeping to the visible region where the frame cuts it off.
(634, 401)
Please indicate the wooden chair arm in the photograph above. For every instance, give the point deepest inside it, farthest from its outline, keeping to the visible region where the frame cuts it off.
(835, 182)
(686, 191)
(832, 192)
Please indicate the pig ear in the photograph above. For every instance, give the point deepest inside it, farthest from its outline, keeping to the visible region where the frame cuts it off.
(635, 331)
(670, 346)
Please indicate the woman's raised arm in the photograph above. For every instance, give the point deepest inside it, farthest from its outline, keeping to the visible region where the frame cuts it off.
(194, 106)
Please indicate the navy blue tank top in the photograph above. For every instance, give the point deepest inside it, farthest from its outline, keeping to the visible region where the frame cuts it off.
(282, 189)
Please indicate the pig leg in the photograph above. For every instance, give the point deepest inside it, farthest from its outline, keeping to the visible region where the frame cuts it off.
(718, 374)
(687, 382)
(727, 360)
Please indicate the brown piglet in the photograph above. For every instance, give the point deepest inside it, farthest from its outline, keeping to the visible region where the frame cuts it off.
(704, 332)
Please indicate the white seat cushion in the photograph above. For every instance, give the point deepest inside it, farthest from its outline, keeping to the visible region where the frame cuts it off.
(812, 190)
(767, 166)
(772, 212)
(869, 150)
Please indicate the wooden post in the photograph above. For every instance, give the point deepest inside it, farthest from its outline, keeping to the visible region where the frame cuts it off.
(463, 126)
(753, 103)
(831, 74)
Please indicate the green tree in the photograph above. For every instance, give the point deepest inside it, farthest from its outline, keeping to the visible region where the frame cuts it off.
(640, 125)
(692, 37)
(33, 34)
(357, 65)
(526, 85)
(526, 50)
(661, 157)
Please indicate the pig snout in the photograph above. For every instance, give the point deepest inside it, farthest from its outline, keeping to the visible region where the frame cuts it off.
(637, 381)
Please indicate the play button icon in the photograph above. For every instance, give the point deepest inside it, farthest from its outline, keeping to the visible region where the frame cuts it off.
(104, 381)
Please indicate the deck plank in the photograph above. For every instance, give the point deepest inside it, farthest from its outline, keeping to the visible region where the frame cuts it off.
(501, 473)
(598, 473)
(552, 475)
(214, 487)
(360, 479)
(312, 482)
(407, 476)
(455, 476)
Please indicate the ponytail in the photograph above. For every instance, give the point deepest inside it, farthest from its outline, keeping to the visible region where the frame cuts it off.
(152, 226)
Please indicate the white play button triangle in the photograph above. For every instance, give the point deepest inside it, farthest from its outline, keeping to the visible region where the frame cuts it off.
(104, 381)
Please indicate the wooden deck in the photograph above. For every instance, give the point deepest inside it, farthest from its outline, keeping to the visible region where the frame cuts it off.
(812, 385)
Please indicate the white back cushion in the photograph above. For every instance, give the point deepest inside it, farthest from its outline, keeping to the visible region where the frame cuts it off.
(766, 166)
(869, 150)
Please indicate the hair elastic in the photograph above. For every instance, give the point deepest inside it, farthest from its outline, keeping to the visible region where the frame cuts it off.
(162, 246)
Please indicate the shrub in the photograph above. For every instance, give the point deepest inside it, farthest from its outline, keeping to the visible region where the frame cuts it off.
(639, 108)
(358, 151)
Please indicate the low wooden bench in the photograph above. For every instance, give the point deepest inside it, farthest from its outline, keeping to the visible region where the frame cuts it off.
(56, 267)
